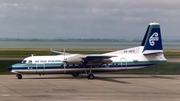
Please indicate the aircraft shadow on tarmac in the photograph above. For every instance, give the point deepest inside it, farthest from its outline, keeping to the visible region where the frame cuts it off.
(112, 79)
(107, 78)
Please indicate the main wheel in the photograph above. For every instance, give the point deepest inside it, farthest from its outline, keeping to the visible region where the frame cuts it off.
(19, 76)
(90, 76)
(75, 74)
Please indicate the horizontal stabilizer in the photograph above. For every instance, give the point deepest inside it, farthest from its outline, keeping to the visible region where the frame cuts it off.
(153, 53)
(59, 53)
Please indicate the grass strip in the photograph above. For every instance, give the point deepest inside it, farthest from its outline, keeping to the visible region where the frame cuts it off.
(5, 64)
(161, 68)
(172, 54)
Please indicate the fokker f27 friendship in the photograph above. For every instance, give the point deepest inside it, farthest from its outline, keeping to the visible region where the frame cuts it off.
(149, 53)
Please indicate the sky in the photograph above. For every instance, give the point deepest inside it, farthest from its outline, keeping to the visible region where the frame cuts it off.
(117, 19)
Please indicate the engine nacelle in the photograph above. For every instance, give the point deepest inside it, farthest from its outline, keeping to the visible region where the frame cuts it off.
(106, 61)
(78, 60)
(74, 60)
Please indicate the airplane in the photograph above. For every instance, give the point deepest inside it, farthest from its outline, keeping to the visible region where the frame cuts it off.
(149, 53)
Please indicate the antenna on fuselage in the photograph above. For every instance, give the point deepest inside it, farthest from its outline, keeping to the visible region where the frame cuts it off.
(32, 55)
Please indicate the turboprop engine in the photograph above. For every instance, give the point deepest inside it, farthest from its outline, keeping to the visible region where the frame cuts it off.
(74, 60)
(77, 59)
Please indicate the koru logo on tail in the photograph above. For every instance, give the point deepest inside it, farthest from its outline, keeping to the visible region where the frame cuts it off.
(153, 38)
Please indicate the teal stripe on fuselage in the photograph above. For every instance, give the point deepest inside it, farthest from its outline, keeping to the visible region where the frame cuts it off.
(140, 62)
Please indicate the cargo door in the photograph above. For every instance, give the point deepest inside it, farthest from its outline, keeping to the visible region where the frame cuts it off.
(123, 63)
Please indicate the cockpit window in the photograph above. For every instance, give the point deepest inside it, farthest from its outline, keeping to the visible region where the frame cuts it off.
(24, 61)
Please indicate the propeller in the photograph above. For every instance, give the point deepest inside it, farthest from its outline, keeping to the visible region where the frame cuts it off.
(64, 62)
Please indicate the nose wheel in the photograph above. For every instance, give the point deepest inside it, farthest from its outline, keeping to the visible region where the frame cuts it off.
(19, 76)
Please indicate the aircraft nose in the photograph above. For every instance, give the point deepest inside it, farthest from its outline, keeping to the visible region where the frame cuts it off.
(10, 67)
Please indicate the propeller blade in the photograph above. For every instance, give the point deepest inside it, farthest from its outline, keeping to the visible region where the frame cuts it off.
(64, 62)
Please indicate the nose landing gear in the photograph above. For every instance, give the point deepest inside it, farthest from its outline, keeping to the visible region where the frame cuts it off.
(19, 76)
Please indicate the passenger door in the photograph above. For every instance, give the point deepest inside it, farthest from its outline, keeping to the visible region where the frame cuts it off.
(40, 68)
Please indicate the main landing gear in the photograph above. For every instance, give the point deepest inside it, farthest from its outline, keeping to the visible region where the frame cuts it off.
(19, 76)
(90, 76)
(75, 74)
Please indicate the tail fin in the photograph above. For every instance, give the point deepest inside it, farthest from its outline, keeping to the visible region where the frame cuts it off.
(152, 40)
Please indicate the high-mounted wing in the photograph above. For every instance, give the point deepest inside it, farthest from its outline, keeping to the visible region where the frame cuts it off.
(96, 59)
(91, 57)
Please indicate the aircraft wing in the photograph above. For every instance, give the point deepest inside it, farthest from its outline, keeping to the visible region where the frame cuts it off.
(96, 59)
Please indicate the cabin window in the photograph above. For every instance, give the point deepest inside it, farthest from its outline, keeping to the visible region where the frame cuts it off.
(30, 61)
(116, 64)
(24, 61)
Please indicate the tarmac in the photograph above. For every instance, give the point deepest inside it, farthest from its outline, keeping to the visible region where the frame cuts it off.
(120, 87)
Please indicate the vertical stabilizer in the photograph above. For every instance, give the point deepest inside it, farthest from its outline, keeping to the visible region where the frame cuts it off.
(152, 40)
